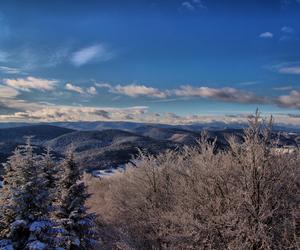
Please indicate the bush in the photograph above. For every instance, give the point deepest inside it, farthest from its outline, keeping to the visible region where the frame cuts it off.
(199, 198)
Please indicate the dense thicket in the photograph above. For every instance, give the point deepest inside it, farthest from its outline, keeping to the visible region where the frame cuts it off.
(244, 198)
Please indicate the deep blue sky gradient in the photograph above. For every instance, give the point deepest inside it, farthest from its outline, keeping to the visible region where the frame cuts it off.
(160, 44)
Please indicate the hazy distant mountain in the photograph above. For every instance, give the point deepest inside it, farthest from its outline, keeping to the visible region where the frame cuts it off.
(40, 133)
(100, 149)
(132, 126)
(13, 124)
(169, 133)
(12, 137)
(105, 148)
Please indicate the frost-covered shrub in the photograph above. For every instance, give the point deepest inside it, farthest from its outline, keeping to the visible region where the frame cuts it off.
(244, 198)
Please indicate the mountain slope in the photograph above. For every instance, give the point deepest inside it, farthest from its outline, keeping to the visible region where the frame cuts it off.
(169, 133)
(100, 149)
(40, 133)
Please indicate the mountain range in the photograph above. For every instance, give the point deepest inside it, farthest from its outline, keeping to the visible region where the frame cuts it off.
(102, 145)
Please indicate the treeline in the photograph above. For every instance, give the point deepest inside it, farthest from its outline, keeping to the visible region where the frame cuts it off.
(42, 204)
(201, 198)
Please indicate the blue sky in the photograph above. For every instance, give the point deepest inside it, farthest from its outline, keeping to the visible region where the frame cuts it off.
(160, 61)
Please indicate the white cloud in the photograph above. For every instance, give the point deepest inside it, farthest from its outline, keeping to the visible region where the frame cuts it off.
(88, 91)
(221, 94)
(134, 90)
(96, 52)
(26, 84)
(193, 5)
(290, 101)
(266, 35)
(77, 89)
(92, 91)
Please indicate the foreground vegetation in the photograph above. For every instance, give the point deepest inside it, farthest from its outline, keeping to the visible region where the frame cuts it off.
(198, 198)
(42, 204)
(246, 197)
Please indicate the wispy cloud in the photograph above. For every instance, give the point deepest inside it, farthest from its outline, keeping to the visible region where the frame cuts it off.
(249, 83)
(287, 29)
(134, 90)
(295, 70)
(221, 94)
(266, 35)
(287, 68)
(77, 89)
(188, 6)
(88, 91)
(97, 52)
(287, 32)
(29, 83)
(10, 70)
(193, 5)
(283, 88)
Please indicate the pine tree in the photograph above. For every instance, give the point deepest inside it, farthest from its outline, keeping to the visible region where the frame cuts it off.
(26, 217)
(7, 209)
(79, 225)
(51, 171)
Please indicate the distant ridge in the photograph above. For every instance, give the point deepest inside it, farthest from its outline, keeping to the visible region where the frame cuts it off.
(40, 133)
(106, 148)
(131, 126)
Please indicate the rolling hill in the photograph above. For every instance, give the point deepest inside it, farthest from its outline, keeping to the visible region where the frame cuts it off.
(101, 149)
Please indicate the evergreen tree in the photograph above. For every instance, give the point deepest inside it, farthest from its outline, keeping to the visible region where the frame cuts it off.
(51, 171)
(79, 225)
(7, 209)
(26, 215)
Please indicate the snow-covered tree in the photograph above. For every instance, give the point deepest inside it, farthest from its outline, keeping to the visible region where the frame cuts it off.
(80, 226)
(7, 208)
(50, 171)
(26, 203)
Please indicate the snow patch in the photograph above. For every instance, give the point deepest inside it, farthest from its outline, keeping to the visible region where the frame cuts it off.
(109, 172)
